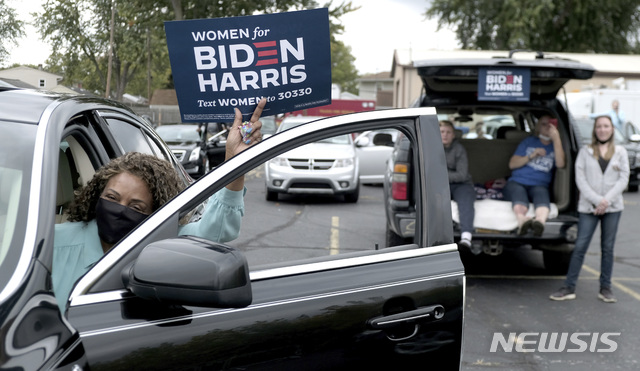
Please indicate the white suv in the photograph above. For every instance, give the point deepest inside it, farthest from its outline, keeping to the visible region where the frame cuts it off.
(326, 167)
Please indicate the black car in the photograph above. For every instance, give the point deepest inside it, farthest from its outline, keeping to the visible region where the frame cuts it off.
(188, 144)
(629, 138)
(452, 87)
(159, 301)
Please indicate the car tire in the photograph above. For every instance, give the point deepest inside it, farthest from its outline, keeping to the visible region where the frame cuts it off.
(392, 239)
(352, 197)
(632, 188)
(556, 262)
(271, 196)
(205, 167)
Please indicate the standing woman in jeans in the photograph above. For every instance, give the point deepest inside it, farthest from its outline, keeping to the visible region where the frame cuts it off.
(602, 174)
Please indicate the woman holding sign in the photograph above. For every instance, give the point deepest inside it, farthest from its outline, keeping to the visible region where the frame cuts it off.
(125, 191)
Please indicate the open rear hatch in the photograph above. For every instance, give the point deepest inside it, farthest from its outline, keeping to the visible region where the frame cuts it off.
(450, 81)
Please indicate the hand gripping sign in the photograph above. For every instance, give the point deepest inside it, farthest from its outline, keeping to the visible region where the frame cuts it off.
(223, 63)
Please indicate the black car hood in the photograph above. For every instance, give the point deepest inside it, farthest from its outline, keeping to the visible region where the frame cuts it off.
(457, 79)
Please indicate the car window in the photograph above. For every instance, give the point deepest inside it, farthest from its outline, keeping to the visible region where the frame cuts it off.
(75, 169)
(293, 121)
(306, 222)
(341, 139)
(16, 160)
(473, 125)
(130, 137)
(269, 126)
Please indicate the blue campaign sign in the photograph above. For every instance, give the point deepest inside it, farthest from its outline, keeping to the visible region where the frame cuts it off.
(504, 84)
(222, 63)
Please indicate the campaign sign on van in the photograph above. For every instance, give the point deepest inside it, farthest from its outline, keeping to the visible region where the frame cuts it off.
(504, 84)
(223, 63)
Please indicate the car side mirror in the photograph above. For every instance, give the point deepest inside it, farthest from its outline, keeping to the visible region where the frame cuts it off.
(383, 139)
(218, 140)
(189, 270)
(363, 141)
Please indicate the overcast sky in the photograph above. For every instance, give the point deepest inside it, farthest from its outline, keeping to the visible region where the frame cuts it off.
(380, 26)
(373, 32)
(30, 49)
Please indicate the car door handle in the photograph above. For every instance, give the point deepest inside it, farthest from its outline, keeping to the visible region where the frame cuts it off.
(405, 325)
(416, 316)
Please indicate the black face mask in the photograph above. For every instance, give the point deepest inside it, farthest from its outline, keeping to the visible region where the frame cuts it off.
(115, 220)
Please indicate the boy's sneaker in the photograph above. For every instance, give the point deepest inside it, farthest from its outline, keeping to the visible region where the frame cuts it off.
(606, 295)
(564, 293)
(465, 243)
(476, 248)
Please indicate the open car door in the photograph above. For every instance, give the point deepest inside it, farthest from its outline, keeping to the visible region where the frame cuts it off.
(279, 297)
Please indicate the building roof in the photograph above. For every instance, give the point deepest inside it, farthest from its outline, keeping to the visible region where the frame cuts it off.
(29, 69)
(603, 63)
(63, 89)
(164, 97)
(15, 83)
(376, 76)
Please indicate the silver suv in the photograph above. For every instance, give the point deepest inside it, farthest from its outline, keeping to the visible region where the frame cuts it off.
(326, 167)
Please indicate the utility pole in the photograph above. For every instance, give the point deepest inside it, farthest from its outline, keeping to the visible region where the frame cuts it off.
(148, 64)
(111, 31)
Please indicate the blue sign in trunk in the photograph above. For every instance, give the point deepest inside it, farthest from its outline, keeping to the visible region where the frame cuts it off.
(223, 63)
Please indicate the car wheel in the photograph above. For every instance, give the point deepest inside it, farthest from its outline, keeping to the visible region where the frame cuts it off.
(272, 196)
(392, 239)
(205, 166)
(556, 262)
(352, 197)
(632, 188)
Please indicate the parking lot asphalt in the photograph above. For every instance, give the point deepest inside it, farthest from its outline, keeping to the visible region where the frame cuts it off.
(510, 323)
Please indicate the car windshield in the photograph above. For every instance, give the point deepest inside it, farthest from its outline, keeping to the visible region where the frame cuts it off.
(472, 124)
(268, 125)
(340, 139)
(178, 133)
(16, 160)
(292, 122)
(288, 124)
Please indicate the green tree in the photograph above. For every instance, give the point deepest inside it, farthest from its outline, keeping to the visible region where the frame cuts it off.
(11, 29)
(588, 26)
(79, 34)
(343, 69)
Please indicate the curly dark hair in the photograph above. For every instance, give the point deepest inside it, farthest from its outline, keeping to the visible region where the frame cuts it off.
(160, 176)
